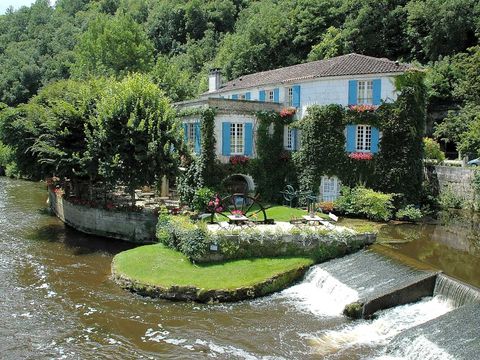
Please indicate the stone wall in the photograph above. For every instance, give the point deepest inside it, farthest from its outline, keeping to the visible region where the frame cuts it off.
(456, 179)
(137, 227)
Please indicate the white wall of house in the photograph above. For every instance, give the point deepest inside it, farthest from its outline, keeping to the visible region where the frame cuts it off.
(323, 91)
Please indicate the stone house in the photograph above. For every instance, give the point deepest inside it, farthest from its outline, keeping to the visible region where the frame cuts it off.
(347, 80)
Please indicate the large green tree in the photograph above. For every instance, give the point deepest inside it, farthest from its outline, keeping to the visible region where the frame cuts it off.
(113, 46)
(134, 136)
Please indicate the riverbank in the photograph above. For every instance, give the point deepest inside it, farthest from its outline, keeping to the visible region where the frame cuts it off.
(157, 271)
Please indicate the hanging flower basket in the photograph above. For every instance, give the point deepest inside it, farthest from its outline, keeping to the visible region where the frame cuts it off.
(360, 156)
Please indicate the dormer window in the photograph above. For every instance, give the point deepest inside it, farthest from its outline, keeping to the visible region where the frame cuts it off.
(365, 92)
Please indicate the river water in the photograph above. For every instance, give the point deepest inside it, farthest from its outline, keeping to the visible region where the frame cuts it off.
(58, 301)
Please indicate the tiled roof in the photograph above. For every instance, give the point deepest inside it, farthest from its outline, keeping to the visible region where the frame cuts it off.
(350, 64)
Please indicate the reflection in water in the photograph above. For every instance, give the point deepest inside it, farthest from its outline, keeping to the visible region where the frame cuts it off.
(452, 244)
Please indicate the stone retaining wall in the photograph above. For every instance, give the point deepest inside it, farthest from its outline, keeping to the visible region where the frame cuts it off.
(455, 179)
(137, 227)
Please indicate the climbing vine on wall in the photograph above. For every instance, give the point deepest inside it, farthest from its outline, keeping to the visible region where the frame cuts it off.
(397, 168)
(199, 170)
(273, 167)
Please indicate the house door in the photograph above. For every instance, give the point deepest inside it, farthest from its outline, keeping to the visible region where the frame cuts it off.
(329, 188)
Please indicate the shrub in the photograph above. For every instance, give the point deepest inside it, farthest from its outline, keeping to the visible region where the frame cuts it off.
(432, 150)
(201, 198)
(365, 202)
(409, 213)
(326, 206)
(449, 200)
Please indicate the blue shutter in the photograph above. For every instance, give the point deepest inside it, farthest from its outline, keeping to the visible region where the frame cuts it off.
(248, 96)
(261, 95)
(375, 140)
(185, 132)
(226, 139)
(351, 130)
(377, 91)
(197, 137)
(352, 92)
(248, 139)
(276, 95)
(296, 96)
(235, 97)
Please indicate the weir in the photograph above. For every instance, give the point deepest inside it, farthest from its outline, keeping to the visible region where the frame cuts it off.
(457, 292)
(450, 336)
(440, 320)
(371, 281)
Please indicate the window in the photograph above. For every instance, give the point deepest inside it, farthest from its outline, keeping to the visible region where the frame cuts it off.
(236, 139)
(269, 95)
(364, 138)
(289, 96)
(242, 97)
(289, 139)
(329, 188)
(365, 92)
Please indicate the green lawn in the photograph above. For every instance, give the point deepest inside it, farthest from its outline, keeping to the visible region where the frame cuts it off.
(160, 266)
(279, 213)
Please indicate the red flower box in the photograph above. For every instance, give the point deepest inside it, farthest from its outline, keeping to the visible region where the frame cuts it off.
(363, 108)
(360, 156)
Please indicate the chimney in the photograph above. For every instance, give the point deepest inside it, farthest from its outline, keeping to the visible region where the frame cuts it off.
(214, 80)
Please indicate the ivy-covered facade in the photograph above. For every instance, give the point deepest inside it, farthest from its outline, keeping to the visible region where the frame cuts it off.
(317, 131)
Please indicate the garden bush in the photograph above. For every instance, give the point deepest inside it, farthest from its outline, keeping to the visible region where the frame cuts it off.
(201, 198)
(449, 200)
(409, 213)
(361, 201)
(432, 150)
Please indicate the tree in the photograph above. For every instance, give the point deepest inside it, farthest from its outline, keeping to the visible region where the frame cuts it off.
(112, 46)
(441, 27)
(176, 83)
(333, 43)
(134, 136)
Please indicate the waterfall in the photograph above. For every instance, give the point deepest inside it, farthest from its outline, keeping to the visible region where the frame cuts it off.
(457, 292)
(320, 293)
(387, 325)
(418, 349)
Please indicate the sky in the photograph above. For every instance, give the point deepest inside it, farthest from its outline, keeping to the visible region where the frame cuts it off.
(4, 4)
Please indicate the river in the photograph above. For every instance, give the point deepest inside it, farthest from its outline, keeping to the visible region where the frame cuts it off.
(58, 301)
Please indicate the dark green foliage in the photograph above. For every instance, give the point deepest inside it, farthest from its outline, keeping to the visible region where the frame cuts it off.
(188, 181)
(323, 145)
(400, 160)
(207, 158)
(273, 168)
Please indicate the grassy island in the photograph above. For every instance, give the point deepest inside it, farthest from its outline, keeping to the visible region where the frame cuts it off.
(157, 271)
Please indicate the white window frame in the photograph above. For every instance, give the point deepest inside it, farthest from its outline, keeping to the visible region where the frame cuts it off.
(330, 188)
(289, 96)
(190, 134)
(237, 138)
(269, 96)
(365, 92)
(363, 138)
(289, 142)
